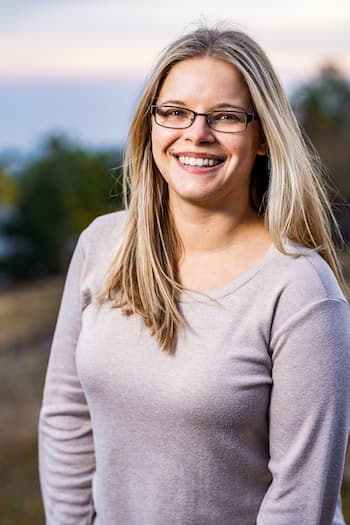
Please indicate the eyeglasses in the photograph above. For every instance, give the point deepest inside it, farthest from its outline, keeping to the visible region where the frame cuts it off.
(220, 120)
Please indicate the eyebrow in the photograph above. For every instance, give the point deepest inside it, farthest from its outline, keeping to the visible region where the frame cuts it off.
(222, 105)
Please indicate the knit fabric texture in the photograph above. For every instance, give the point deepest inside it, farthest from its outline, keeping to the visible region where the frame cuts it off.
(245, 423)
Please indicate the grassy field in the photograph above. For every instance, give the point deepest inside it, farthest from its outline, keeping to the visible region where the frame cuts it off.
(27, 317)
(28, 313)
(21, 381)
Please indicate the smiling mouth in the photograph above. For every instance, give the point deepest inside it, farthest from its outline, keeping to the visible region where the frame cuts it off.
(198, 161)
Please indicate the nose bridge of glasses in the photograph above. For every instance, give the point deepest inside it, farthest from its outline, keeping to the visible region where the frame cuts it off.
(206, 116)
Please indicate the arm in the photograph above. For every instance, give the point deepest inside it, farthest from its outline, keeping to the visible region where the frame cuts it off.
(66, 451)
(309, 415)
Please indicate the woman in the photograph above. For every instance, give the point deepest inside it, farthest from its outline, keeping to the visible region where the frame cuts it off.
(199, 372)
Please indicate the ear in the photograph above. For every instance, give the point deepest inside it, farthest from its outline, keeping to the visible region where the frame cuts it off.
(262, 149)
(262, 146)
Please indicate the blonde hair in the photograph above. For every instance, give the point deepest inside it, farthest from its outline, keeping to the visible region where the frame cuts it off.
(286, 188)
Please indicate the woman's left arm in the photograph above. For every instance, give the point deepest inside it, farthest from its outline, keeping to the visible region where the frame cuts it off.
(309, 415)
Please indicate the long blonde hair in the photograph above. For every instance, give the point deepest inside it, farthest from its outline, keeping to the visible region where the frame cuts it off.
(287, 189)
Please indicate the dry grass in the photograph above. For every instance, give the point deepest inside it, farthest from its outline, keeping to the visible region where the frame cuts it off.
(27, 317)
(21, 383)
(29, 313)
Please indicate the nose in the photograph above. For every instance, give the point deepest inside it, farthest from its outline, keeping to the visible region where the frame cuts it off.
(199, 132)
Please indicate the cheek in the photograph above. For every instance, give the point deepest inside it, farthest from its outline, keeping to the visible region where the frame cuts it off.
(162, 142)
(163, 138)
(156, 148)
(236, 148)
(159, 151)
(245, 148)
(157, 139)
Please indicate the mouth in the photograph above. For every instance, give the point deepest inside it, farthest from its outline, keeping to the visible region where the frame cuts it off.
(198, 161)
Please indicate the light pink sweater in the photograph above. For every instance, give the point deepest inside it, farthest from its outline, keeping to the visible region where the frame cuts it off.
(245, 424)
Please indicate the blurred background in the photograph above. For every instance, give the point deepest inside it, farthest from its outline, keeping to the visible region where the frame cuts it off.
(70, 75)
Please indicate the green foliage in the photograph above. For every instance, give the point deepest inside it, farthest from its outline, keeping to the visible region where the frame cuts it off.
(59, 194)
(323, 109)
(8, 189)
(323, 105)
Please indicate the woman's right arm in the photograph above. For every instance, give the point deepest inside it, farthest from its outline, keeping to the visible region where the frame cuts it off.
(66, 449)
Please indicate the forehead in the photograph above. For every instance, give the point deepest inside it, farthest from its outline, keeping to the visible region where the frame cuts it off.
(204, 81)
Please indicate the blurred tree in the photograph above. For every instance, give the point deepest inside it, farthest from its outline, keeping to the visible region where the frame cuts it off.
(59, 194)
(323, 108)
(8, 189)
(323, 105)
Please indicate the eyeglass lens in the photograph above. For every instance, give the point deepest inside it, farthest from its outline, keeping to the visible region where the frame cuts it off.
(180, 118)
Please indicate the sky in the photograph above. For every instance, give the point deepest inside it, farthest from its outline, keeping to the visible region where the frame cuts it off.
(78, 66)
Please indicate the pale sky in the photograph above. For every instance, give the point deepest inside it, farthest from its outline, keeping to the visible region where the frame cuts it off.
(86, 44)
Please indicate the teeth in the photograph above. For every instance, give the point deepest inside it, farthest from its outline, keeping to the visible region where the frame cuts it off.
(194, 161)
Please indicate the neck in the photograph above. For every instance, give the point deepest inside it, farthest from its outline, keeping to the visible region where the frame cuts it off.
(204, 230)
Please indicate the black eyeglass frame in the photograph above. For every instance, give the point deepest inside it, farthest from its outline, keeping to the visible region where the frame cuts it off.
(250, 117)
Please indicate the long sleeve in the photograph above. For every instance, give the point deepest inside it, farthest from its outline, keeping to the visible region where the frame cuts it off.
(245, 423)
(309, 415)
(66, 450)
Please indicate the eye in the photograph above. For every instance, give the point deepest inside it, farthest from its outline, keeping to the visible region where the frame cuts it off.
(230, 116)
(168, 112)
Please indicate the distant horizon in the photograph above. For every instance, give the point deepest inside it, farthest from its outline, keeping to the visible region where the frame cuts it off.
(93, 111)
(78, 66)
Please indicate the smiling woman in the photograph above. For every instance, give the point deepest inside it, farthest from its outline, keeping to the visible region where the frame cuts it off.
(229, 144)
(200, 368)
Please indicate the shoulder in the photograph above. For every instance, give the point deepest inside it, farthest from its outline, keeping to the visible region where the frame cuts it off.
(303, 275)
(103, 231)
(97, 247)
(105, 223)
(303, 289)
(95, 251)
(308, 309)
